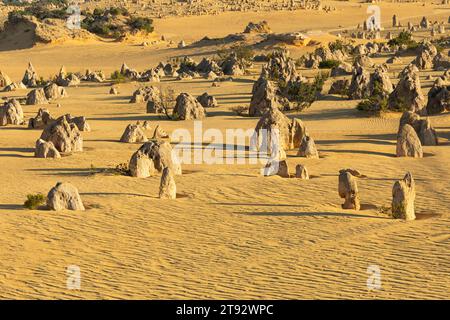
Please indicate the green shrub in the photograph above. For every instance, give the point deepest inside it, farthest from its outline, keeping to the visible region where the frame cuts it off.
(243, 53)
(141, 24)
(404, 38)
(328, 64)
(34, 201)
(303, 94)
(118, 77)
(337, 45)
(377, 102)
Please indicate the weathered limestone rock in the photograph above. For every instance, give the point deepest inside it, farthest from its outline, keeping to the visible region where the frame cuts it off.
(308, 148)
(342, 69)
(141, 166)
(424, 23)
(45, 149)
(364, 61)
(408, 143)
(394, 21)
(159, 133)
(42, 119)
(264, 97)
(359, 86)
(11, 113)
(301, 172)
(403, 196)
(424, 59)
(438, 98)
(188, 108)
(167, 187)
(160, 156)
(30, 77)
(348, 190)
(64, 135)
(441, 62)
(408, 93)
(36, 96)
(340, 86)
(260, 27)
(150, 75)
(275, 129)
(207, 65)
(231, 66)
(53, 91)
(80, 122)
(277, 167)
(64, 196)
(129, 73)
(207, 101)
(422, 127)
(14, 86)
(67, 80)
(380, 81)
(94, 76)
(145, 94)
(281, 66)
(133, 133)
(4, 79)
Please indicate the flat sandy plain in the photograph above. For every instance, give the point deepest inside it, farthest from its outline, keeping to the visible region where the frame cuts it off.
(232, 234)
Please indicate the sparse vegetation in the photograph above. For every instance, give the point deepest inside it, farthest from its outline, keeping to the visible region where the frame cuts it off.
(303, 94)
(122, 169)
(243, 53)
(34, 201)
(167, 100)
(404, 38)
(117, 77)
(114, 22)
(328, 64)
(376, 103)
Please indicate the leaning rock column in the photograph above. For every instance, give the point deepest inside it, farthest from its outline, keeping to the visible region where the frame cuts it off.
(348, 189)
(403, 196)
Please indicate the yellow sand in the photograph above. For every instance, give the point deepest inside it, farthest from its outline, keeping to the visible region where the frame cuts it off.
(232, 233)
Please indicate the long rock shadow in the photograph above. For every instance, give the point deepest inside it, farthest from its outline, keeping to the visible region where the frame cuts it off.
(384, 154)
(310, 214)
(115, 194)
(380, 142)
(11, 207)
(18, 149)
(14, 155)
(257, 204)
(80, 172)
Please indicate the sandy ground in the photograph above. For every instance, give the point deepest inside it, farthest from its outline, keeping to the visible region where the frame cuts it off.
(232, 233)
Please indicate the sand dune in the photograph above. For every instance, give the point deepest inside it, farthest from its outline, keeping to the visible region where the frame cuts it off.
(232, 233)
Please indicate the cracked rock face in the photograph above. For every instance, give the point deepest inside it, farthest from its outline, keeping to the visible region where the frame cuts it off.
(403, 197)
(46, 149)
(275, 131)
(64, 196)
(408, 143)
(11, 113)
(188, 108)
(408, 92)
(348, 190)
(167, 187)
(64, 135)
(133, 133)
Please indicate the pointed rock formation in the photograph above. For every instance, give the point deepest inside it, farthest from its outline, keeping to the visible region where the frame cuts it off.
(403, 196)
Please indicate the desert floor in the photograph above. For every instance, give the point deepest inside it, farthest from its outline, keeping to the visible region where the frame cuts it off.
(232, 233)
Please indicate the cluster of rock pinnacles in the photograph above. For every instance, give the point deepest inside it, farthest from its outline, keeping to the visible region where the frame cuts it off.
(275, 132)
